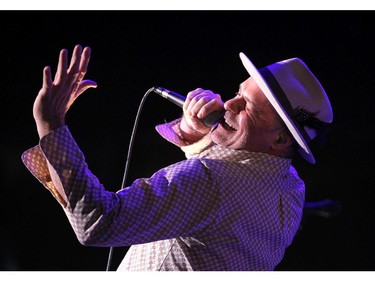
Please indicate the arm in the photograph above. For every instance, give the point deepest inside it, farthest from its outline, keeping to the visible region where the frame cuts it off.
(56, 97)
(90, 208)
(180, 197)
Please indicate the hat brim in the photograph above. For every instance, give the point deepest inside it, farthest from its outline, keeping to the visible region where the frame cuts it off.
(304, 149)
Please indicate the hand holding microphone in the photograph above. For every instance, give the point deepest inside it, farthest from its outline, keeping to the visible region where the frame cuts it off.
(179, 100)
(202, 110)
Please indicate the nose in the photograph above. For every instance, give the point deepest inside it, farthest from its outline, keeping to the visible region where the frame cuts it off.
(235, 105)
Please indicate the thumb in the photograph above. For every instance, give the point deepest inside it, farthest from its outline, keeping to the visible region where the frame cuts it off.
(84, 85)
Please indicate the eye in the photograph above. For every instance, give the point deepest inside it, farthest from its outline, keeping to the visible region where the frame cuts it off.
(253, 109)
(250, 109)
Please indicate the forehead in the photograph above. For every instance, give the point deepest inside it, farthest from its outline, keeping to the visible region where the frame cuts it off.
(250, 89)
(251, 92)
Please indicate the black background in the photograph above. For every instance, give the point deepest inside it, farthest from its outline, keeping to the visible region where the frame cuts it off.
(182, 50)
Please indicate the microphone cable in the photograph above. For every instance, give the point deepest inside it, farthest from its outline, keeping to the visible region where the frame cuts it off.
(130, 148)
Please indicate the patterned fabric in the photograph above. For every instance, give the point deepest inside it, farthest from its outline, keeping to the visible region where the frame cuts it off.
(220, 209)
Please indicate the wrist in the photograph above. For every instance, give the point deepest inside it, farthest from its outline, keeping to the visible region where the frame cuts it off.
(188, 133)
(46, 127)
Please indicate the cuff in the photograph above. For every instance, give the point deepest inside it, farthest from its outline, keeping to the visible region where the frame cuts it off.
(171, 132)
(35, 161)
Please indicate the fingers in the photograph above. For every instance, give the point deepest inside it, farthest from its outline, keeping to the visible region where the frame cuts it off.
(61, 67)
(67, 84)
(199, 103)
(79, 63)
(47, 80)
(75, 73)
(76, 59)
(68, 79)
(84, 85)
(85, 60)
(191, 101)
(77, 68)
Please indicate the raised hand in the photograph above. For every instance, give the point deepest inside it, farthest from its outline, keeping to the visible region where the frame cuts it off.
(56, 97)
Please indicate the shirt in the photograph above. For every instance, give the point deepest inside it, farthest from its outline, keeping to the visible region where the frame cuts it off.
(220, 209)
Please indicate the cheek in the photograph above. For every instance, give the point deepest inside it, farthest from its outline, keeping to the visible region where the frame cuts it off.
(252, 138)
(245, 137)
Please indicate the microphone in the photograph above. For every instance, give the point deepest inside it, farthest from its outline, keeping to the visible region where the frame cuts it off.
(210, 120)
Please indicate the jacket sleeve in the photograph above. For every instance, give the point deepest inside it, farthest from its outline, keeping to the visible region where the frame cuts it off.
(171, 132)
(150, 208)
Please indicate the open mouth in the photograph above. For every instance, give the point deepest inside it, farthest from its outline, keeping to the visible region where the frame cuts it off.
(224, 122)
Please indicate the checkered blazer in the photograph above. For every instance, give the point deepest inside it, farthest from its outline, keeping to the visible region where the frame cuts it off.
(220, 209)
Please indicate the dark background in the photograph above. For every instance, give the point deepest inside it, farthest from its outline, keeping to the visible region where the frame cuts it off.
(181, 50)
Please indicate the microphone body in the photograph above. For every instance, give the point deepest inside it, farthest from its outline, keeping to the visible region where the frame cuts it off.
(210, 120)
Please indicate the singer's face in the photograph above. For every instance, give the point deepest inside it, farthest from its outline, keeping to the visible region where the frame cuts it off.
(250, 121)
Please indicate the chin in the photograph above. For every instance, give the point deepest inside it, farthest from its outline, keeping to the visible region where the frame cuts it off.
(221, 137)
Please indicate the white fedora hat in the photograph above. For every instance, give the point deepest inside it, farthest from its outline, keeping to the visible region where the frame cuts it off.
(296, 95)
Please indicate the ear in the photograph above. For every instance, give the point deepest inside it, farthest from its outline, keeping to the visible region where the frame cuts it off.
(282, 142)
